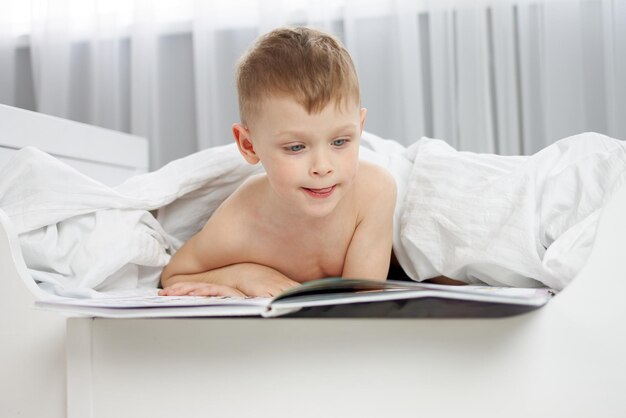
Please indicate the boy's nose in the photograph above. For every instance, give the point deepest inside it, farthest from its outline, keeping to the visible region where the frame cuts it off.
(322, 171)
(321, 166)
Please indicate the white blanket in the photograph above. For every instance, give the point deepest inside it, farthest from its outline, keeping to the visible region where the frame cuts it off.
(506, 221)
(512, 221)
(81, 238)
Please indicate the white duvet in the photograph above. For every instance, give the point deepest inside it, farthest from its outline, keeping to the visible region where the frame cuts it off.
(479, 218)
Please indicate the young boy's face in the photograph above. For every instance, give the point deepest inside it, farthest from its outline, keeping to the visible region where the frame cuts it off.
(311, 160)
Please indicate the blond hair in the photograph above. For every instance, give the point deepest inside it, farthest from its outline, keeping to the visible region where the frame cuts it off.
(308, 65)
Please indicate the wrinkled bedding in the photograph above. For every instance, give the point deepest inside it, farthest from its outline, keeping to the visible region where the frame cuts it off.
(519, 221)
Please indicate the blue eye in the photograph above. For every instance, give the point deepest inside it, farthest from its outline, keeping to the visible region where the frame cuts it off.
(295, 148)
(339, 142)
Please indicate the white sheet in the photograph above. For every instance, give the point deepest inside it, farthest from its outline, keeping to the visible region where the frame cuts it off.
(512, 221)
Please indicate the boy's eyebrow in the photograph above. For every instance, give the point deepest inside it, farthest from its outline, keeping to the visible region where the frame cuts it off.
(350, 125)
(293, 132)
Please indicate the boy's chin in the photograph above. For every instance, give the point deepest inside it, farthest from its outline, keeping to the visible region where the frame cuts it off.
(317, 210)
(319, 213)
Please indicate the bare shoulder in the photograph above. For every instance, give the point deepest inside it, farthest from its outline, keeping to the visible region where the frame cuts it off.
(375, 182)
(240, 203)
(375, 190)
(248, 192)
(229, 226)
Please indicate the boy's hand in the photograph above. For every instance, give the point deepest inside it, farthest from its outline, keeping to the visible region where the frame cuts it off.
(258, 280)
(244, 279)
(265, 285)
(199, 289)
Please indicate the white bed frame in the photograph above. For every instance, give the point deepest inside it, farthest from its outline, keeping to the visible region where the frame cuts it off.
(32, 343)
(563, 360)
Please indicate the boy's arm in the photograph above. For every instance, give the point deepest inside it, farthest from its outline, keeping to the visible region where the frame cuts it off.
(239, 279)
(213, 256)
(369, 253)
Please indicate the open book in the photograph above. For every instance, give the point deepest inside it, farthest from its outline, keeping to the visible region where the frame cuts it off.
(334, 297)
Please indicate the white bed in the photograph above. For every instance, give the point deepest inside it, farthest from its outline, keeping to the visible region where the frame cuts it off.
(565, 359)
(32, 353)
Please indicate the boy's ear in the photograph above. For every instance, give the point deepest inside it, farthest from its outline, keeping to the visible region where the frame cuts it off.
(363, 113)
(244, 143)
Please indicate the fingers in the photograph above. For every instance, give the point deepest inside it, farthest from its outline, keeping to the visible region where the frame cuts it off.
(180, 289)
(264, 288)
(199, 289)
(216, 290)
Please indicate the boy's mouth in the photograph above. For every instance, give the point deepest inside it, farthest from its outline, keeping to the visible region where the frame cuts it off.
(320, 193)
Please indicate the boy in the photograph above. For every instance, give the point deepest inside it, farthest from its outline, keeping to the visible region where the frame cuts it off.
(317, 211)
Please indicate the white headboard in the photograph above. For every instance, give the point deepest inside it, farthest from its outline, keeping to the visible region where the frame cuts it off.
(105, 155)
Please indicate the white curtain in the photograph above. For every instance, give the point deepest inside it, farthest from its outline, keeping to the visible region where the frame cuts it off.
(502, 76)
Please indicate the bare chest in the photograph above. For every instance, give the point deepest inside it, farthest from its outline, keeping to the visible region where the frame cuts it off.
(304, 254)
